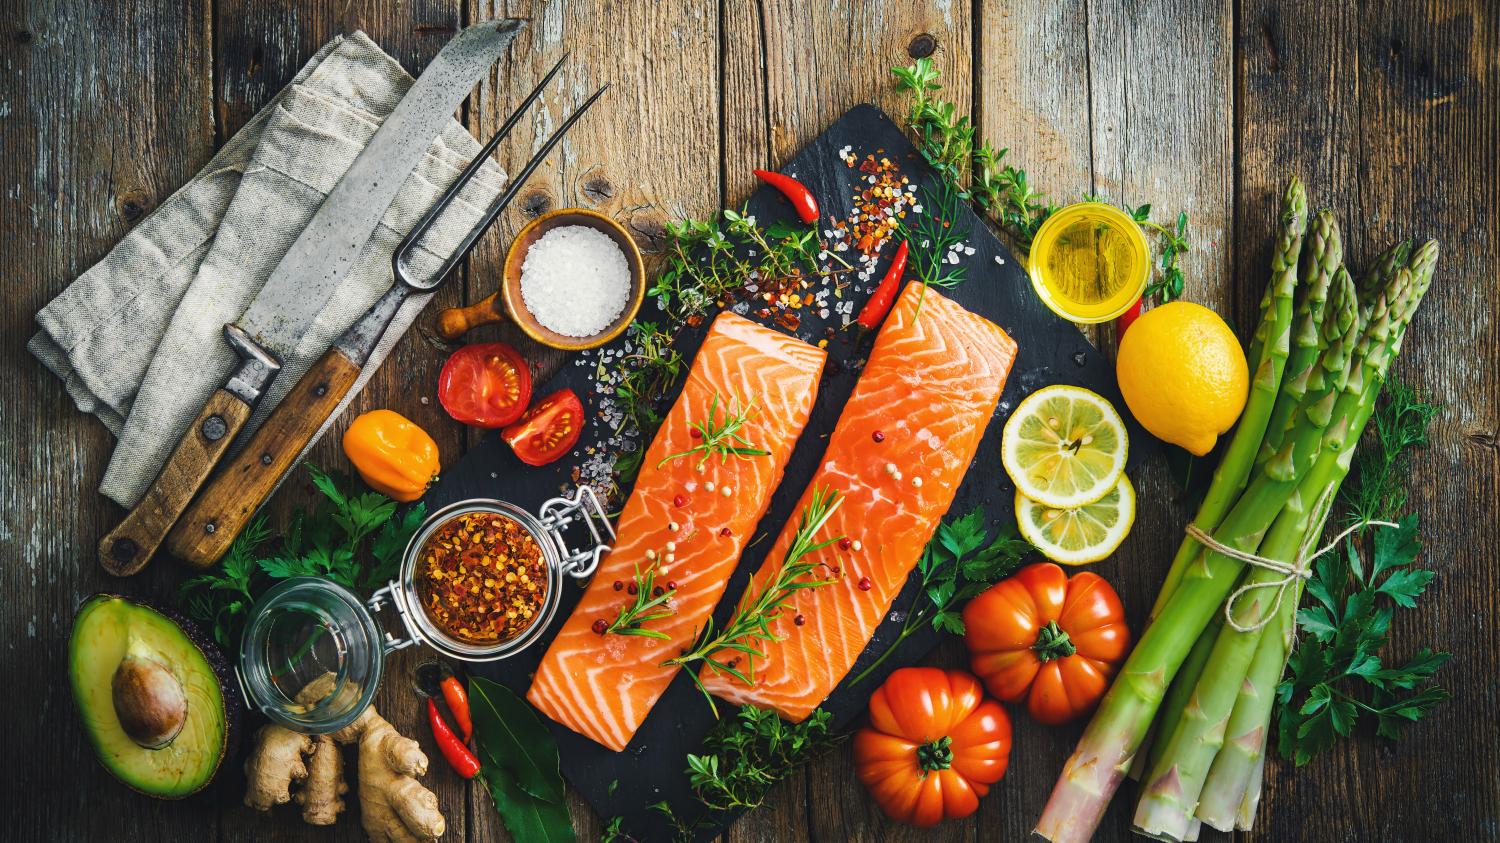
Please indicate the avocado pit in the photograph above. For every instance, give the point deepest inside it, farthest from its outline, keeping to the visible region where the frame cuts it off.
(149, 701)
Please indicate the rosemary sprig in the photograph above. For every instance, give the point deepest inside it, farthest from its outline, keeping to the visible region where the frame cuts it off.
(650, 604)
(946, 138)
(721, 436)
(757, 610)
(933, 236)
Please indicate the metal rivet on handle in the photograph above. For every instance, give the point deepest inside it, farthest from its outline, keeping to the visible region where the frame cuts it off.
(214, 428)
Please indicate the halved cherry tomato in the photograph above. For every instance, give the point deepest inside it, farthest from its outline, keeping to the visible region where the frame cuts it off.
(548, 430)
(485, 384)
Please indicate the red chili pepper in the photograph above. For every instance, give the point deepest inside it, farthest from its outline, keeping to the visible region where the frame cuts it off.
(1126, 319)
(458, 703)
(795, 191)
(460, 757)
(874, 311)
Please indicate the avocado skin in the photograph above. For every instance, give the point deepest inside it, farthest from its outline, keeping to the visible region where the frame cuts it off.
(224, 676)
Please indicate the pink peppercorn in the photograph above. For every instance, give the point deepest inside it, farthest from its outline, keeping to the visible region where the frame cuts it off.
(878, 436)
(600, 626)
(799, 620)
(865, 584)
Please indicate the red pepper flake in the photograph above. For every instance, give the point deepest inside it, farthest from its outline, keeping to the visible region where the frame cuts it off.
(878, 436)
(600, 626)
(680, 501)
(481, 578)
(799, 620)
(865, 584)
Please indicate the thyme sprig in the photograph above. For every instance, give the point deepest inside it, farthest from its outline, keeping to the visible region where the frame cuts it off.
(709, 261)
(721, 436)
(759, 609)
(946, 138)
(650, 604)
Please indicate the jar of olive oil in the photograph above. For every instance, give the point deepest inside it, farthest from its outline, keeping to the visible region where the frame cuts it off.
(1089, 262)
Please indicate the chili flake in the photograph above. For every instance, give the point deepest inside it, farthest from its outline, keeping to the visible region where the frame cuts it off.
(481, 578)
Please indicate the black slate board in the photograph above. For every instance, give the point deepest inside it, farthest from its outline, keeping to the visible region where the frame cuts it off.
(1052, 350)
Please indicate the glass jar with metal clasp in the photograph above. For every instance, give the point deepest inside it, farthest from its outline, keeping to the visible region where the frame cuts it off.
(313, 652)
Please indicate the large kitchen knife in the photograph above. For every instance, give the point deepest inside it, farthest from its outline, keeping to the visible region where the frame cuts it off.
(303, 282)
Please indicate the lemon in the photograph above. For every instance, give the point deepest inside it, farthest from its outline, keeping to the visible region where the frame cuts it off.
(1183, 375)
(1079, 535)
(1064, 446)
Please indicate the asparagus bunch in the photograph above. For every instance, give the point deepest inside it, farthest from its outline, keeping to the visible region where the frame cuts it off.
(1319, 356)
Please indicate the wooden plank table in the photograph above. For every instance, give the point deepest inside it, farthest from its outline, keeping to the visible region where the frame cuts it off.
(1389, 110)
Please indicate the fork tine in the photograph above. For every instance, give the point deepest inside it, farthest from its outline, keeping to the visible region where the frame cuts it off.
(413, 237)
(517, 182)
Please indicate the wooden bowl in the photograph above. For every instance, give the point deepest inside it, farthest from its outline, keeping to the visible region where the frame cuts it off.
(507, 303)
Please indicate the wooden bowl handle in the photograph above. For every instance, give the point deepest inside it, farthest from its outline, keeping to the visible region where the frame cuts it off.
(454, 322)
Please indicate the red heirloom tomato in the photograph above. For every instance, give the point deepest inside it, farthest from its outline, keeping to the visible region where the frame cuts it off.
(548, 430)
(485, 384)
(1053, 640)
(933, 747)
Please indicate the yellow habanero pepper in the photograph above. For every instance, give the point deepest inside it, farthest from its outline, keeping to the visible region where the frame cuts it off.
(393, 455)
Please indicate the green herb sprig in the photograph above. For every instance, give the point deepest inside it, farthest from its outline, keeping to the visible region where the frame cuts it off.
(648, 605)
(758, 609)
(709, 261)
(947, 140)
(933, 234)
(1336, 676)
(721, 436)
(352, 539)
(958, 563)
(1377, 491)
(744, 755)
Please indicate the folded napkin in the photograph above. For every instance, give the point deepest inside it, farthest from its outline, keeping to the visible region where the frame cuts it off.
(137, 339)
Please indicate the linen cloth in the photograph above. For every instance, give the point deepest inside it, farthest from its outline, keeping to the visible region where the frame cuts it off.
(137, 339)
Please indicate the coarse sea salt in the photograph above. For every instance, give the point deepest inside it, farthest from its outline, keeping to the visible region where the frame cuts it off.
(575, 280)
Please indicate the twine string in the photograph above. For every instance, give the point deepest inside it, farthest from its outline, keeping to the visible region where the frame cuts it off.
(1299, 568)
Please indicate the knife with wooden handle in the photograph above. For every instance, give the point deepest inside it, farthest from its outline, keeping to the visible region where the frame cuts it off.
(303, 282)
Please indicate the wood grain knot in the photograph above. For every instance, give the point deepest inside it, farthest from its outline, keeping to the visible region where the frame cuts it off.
(598, 189)
(921, 46)
(648, 227)
(132, 205)
(536, 203)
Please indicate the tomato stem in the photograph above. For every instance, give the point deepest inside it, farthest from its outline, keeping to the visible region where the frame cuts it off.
(1052, 643)
(937, 755)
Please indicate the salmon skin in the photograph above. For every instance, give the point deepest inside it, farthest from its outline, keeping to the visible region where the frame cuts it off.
(897, 455)
(603, 686)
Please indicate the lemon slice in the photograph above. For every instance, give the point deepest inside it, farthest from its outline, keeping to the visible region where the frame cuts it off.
(1081, 535)
(1064, 446)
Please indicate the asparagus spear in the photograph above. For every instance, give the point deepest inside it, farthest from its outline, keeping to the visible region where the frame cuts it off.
(1173, 783)
(1321, 263)
(1113, 735)
(1269, 348)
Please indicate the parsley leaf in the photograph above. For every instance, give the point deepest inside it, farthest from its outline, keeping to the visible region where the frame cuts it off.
(355, 540)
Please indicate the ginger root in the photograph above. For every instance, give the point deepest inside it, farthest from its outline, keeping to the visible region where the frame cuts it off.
(394, 807)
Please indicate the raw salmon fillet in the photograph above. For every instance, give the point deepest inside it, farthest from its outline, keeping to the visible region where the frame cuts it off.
(927, 394)
(604, 686)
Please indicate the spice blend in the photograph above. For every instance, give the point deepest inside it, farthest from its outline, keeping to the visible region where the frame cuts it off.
(481, 578)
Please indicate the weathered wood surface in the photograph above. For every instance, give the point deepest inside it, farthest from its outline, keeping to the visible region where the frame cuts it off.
(1390, 111)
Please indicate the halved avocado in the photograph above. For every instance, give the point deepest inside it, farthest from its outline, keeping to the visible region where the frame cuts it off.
(152, 693)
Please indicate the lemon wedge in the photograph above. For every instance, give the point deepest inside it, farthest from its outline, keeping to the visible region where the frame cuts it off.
(1064, 447)
(1079, 535)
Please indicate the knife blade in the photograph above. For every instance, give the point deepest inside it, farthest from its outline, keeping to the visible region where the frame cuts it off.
(302, 283)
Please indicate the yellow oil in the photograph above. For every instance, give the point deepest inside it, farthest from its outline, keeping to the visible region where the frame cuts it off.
(1089, 262)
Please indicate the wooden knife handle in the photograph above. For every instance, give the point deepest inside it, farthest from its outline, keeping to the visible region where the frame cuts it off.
(219, 514)
(126, 549)
(454, 322)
